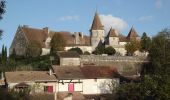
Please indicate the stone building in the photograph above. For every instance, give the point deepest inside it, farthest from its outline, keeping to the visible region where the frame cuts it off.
(26, 35)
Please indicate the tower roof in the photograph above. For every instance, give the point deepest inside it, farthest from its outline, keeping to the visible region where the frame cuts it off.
(112, 33)
(132, 33)
(96, 25)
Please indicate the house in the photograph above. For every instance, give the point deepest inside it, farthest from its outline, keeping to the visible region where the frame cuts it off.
(37, 81)
(26, 35)
(70, 58)
(86, 80)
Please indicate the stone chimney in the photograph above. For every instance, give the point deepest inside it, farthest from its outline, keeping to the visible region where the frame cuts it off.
(46, 30)
(81, 33)
(50, 72)
(2, 76)
(77, 38)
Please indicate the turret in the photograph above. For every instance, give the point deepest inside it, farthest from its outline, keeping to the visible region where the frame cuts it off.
(97, 31)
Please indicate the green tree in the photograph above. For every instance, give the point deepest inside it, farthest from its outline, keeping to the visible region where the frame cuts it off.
(2, 11)
(78, 50)
(131, 47)
(34, 49)
(86, 53)
(145, 43)
(155, 84)
(57, 43)
(99, 50)
(110, 50)
(4, 55)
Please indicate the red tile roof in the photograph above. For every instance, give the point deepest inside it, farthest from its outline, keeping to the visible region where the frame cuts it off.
(85, 72)
(132, 33)
(112, 33)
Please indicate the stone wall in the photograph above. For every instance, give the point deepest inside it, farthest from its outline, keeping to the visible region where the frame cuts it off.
(124, 64)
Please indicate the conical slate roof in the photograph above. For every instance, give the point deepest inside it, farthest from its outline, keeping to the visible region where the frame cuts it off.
(96, 25)
(112, 33)
(132, 33)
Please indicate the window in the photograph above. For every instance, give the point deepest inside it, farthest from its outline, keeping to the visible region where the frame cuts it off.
(71, 87)
(48, 89)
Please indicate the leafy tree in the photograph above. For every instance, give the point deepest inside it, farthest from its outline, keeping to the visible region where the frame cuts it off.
(154, 85)
(86, 53)
(57, 43)
(2, 11)
(99, 50)
(145, 43)
(34, 49)
(131, 47)
(110, 50)
(78, 50)
(4, 55)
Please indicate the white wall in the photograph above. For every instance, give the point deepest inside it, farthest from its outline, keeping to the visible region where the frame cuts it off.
(89, 86)
(45, 51)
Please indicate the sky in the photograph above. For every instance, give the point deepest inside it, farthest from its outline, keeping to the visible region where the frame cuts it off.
(150, 16)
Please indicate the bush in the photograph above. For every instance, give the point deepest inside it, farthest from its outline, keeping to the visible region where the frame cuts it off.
(86, 53)
(78, 50)
(110, 50)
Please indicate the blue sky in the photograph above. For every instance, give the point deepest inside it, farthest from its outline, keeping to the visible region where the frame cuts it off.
(149, 16)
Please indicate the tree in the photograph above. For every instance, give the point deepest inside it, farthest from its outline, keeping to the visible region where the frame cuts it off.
(86, 53)
(34, 49)
(154, 85)
(145, 43)
(2, 11)
(110, 50)
(99, 50)
(57, 43)
(131, 47)
(4, 55)
(78, 50)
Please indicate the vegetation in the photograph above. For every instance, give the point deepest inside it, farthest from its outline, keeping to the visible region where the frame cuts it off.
(2, 11)
(145, 43)
(155, 79)
(33, 50)
(86, 53)
(102, 50)
(78, 50)
(57, 43)
(132, 46)
(110, 50)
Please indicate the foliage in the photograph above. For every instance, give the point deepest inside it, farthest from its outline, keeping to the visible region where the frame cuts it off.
(2, 11)
(145, 43)
(155, 84)
(57, 43)
(86, 53)
(13, 95)
(131, 47)
(34, 49)
(110, 50)
(78, 50)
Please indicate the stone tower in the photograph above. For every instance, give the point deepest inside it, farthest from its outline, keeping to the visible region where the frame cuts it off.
(113, 38)
(97, 31)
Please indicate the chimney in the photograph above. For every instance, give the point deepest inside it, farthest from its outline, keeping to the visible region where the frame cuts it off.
(81, 33)
(50, 72)
(46, 30)
(2, 76)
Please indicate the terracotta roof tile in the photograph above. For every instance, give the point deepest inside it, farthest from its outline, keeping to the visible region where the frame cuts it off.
(112, 33)
(35, 35)
(96, 25)
(132, 33)
(25, 76)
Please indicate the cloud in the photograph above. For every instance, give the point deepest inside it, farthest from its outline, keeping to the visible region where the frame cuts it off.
(145, 18)
(69, 18)
(158, 3)
(111, 21)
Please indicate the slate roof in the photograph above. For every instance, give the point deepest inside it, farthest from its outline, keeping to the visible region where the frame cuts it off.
(68, 54)
(97, 25)
(132, 33)
(28, 76)
(85, 72)
(112, 33)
